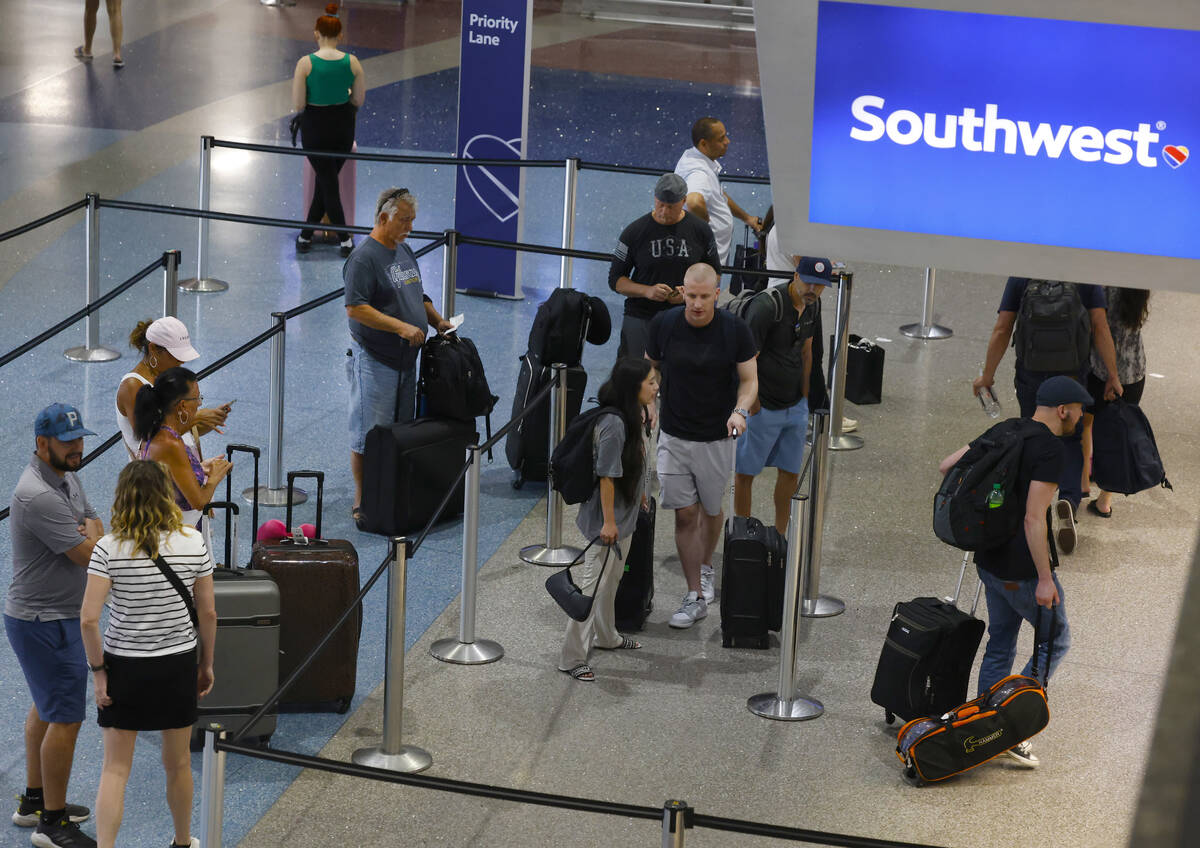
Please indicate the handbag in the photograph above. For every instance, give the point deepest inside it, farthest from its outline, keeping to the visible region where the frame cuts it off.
(864, 371)
(178, 586)
(569, 596)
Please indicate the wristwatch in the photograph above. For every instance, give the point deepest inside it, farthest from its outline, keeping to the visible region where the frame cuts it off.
(745, 414)
(95, 668)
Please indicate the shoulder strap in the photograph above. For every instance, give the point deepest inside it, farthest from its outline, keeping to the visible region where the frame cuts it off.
(178, 586)
(777, 294)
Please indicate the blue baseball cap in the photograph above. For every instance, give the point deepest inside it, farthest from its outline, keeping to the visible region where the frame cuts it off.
(60, 421)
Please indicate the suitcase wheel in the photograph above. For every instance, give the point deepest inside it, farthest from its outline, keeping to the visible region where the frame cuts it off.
(910, 775)
(343, 705)
(518, 480)
(726, 640)
(764, 642)
(889, 716)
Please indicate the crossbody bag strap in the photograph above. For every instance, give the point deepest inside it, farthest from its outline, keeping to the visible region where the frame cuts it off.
(603, 565)
(178, 586)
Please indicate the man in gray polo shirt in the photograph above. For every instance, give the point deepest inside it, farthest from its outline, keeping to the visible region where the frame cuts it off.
(54, 529)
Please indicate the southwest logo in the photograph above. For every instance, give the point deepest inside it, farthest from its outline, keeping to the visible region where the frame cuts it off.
(1175, 155)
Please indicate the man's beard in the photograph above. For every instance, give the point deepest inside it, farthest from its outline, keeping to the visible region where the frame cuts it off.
(68, 462)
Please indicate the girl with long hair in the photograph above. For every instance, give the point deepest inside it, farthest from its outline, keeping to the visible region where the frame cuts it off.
(160, 414)
(146, 672)
(610, 515)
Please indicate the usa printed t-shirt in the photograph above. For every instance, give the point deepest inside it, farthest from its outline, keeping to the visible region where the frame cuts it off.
(649, 252)
(390, 281)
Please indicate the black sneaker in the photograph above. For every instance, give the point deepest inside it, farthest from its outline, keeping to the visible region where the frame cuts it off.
(303, 245)
(65, 834)
(29, 814)
(347, 246)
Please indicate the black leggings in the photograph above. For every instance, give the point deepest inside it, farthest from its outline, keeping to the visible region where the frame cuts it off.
(327, 128)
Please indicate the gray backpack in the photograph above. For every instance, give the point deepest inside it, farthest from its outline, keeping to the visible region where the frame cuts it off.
(1054, 330)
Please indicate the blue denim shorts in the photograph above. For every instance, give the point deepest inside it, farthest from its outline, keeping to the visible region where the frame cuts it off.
(774, 437)
(373, 391)
(55, 666)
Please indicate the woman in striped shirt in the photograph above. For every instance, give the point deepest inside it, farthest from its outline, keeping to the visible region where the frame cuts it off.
(146, 672)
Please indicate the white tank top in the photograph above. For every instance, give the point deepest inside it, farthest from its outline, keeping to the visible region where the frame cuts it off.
(132, 443)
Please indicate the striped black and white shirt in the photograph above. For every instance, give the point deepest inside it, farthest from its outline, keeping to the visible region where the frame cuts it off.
(147, 618)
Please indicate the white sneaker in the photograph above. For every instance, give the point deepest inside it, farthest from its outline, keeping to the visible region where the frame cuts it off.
(1064, 526)
(708, 583)
(849, 425)
(1023, 754)
(690, 611)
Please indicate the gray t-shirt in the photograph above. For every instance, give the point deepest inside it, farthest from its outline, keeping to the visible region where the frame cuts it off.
(608, 441)
(390, 281)
(46, 513)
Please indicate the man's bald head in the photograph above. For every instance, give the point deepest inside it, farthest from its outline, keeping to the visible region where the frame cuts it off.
(702, 274)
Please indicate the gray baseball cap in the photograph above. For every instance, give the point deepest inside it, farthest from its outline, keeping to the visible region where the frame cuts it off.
(670, 188)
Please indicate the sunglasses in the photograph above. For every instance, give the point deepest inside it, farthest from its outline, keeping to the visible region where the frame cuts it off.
(388, 198)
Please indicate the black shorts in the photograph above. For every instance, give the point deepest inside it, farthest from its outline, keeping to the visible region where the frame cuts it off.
(150, 693)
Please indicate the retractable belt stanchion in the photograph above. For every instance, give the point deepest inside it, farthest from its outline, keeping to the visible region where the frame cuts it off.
(449, 272)
(275, 493)
(837, 376)
(570, 185)
(212, 788)
(92, 350)
(202, 282)
(554, 552)
(677, 817)
(393, 754)
(171, 283)
(813, 603)
(785, 704)
(466, 649)
(927, 329)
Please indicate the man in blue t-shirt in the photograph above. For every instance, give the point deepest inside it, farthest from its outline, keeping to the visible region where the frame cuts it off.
(1027, 380)
(709, 382)
(388, 312)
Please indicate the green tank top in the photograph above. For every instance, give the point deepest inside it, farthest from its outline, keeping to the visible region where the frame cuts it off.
(329, 81)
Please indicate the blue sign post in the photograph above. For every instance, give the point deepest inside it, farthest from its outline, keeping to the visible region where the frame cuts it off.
(493, 120)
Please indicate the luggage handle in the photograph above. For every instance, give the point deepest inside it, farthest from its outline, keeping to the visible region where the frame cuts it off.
(1037, 627)
(732, 480)
(231, 529)
(968, 558)
(319, 476)
(230, 450)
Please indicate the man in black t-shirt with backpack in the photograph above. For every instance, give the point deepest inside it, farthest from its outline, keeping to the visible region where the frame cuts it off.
(1018, 575)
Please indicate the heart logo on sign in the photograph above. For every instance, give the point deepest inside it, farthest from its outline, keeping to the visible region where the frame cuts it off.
(1175, 155)
(487, 187)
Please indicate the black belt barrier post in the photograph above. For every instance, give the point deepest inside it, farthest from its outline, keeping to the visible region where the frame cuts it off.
(91, 350)
(554, 553)
(927, 329)
(838, 440)
(212, 788)
(202, 282)
(171, 283)
(677, 817)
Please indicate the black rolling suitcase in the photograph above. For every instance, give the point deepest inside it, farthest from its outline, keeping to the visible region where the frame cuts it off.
(635, 592)
(925, 665)
(407, 470)
(528, 444)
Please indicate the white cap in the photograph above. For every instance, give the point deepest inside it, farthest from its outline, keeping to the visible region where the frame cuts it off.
(170, 333)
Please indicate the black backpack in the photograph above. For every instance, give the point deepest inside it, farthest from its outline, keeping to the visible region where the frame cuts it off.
(453, 381)
(1125, 456)
(573, 464)
(740, 304)
(564, 321)
(1054, 330)
(964, 514)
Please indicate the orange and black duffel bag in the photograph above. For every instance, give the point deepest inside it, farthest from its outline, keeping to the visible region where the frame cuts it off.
(1011, 711)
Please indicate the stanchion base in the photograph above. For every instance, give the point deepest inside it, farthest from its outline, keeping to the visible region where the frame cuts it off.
(553, 557)
(410, 760)
(933, 331)
(84, 353)
(203, 284)
(825, 606)
(466, 653)
(274, 497)
(770, 705)
(846, 442)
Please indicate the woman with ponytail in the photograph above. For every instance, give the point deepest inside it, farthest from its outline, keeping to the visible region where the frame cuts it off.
(160, 413)
(610, 515)
(146, 672)
(328, 87)
(164, 344)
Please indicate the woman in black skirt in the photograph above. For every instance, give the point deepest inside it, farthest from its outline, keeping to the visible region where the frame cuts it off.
(146, 671)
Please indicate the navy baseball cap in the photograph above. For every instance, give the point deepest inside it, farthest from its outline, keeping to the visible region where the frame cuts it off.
(1060, 390)
(60, 421)
(815, 270)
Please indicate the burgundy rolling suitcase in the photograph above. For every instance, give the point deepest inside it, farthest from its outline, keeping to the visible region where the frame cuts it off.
(318, 580)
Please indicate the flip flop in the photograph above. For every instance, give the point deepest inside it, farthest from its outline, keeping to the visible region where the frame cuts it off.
(118, 63)
(1095, 510)
(81, 56)
(582, 672)
(627, 644)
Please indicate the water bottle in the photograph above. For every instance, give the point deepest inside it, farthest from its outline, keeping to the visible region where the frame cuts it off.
(987, 400)
(995, 497)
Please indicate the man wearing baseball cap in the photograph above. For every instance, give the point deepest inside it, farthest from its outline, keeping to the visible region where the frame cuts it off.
(651, 257)
(54, 529)
(1018, 576)
(783, 319)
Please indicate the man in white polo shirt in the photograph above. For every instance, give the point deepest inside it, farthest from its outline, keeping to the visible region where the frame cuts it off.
(699, 167)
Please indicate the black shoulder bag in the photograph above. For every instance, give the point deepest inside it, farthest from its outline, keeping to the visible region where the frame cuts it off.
(177, 584)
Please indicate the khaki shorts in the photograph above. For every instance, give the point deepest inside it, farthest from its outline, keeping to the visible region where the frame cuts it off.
(693, 472)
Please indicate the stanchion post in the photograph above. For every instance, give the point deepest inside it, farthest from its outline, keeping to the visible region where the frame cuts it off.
(212, 788)
(466, 649)
(449, 272)
(275, 493)
(202, 282)
(393, 754)
(677, 817)
(813, 603)
(837, 377)
(784, 704)
(91, 350)
(927, 329)
(554, 552)
(570, 186)
(171, 283)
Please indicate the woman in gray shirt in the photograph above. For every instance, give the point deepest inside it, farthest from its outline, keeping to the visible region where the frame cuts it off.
(609, 516)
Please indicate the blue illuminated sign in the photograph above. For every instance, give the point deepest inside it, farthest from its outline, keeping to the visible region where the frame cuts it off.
(1007, 128)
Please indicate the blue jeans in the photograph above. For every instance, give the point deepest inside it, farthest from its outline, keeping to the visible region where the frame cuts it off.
(1026, 383)
(1009, 602)
(377, 391)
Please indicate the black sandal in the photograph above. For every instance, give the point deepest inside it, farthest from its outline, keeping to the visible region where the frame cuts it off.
(627, 644)
(582, 672)
(1095, 510)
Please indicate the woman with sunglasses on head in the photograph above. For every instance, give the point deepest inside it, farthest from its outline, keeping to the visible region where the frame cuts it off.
(145, 670)
(610, 515)
(160, 414)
